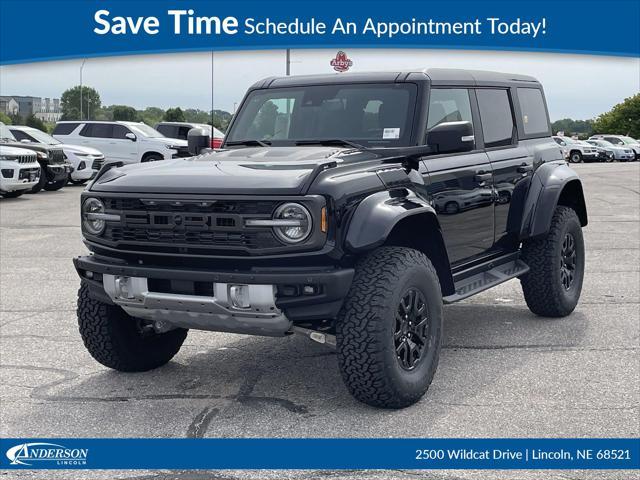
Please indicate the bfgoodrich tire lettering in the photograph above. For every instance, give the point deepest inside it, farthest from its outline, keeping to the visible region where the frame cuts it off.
(113, 338)
(366, 325)
(547, 290)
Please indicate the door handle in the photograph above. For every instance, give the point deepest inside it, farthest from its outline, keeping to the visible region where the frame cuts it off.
(482, 177)
(524, 168)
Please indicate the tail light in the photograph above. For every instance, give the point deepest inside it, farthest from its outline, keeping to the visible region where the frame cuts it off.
(216, 142)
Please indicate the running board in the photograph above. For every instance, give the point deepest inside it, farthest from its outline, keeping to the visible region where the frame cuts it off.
(479, 282)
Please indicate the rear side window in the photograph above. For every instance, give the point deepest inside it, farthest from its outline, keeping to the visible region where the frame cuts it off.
(97, 130)
(65, 128)
(496, 116)
(183, 132)
(534, 113)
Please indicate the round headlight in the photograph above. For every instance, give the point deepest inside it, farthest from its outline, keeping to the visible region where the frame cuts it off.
(92, 225)
(300, 222)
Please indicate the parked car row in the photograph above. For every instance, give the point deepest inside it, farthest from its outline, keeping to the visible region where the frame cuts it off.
(78, 149)
(599, 148)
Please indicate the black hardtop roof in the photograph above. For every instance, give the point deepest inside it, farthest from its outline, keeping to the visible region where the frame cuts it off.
(437, 76)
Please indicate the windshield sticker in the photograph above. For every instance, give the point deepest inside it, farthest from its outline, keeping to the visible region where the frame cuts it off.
(390, 133)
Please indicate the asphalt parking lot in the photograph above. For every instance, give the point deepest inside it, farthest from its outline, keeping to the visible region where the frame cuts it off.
(503, 372)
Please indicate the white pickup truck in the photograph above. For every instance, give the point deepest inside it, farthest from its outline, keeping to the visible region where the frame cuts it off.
(576, 151)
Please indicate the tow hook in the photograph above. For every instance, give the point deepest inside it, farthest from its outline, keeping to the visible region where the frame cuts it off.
(320, 337)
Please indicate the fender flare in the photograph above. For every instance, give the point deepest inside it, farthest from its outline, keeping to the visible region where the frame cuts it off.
(547, 185)
(377, 215)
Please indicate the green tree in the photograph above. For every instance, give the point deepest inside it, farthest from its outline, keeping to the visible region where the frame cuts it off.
(622, 119)
(151, 115)
(124, 113)
(174, 115)
(582, 128)
(4, 118)
(70, 102)
(35, 122)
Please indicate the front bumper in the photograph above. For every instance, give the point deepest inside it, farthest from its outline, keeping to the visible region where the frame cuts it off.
(199, 299)
(22, 177)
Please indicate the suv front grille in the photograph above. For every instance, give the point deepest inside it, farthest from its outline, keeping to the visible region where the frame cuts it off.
(56, 155)
(97, 163)
(26, 158)
(188, 226)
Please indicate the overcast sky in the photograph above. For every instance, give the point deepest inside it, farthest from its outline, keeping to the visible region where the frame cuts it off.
(577, 86)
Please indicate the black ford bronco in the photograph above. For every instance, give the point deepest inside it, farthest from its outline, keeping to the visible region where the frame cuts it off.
(348, 208)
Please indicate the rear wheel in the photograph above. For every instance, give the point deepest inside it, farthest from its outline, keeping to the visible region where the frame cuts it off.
(120, 341)
(553, 284)
(389, 329)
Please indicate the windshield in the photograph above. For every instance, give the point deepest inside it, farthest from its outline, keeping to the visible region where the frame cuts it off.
(604, 143)
(628, 140)
(5, 134)
(145, 130)
(376, 114)
(41, 137)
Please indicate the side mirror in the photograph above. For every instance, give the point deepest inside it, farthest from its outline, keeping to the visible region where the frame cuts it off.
(198, 139)
(130, 136)
(451, 137)
(25, 140)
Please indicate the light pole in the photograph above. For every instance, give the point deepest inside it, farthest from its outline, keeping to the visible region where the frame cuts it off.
(288, 60)
(81, 67)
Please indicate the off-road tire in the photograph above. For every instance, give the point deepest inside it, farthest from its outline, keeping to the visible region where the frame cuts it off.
(14, 194)
(112, 337)
(52, 187)
(365, 328)
(542, 285)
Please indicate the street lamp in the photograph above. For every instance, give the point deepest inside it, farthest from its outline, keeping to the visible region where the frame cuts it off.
(81, 67)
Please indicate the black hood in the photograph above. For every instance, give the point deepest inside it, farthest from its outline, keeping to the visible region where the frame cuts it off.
(259, 170)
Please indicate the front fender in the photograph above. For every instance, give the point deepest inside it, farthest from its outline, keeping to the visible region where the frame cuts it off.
(545, 190)
(375, 217)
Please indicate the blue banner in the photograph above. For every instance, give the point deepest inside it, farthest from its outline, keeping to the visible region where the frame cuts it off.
(73, 29)
(128, 453)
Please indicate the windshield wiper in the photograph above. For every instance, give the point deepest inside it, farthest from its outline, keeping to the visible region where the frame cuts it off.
(261, 143)
(331, 141)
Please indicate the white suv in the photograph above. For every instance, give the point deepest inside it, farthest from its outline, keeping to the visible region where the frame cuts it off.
(19, 171)
(86, 161)
(620, 141)
(127, 142)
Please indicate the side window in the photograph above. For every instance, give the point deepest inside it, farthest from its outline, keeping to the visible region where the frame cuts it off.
(614, 140)
(119, 132)
(65, 128)
(448, 105)
(534, 112)
(182, 133)
(20, 135)
(496, 117)
(97, 130)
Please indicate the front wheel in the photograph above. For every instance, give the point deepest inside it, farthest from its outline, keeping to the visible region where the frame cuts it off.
(553, 284)
(120, 341)
(53, 186)
(14, 194)
(389, 330)
(77, 182)
(575, 157)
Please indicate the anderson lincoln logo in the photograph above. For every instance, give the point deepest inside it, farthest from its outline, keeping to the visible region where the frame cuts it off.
(341, 63)
(46, 453)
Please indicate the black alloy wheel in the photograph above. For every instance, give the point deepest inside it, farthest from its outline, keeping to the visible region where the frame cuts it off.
(568, 259)
(411, 331)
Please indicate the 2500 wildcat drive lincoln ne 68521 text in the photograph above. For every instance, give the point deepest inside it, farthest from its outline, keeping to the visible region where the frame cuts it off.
(346, 207)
